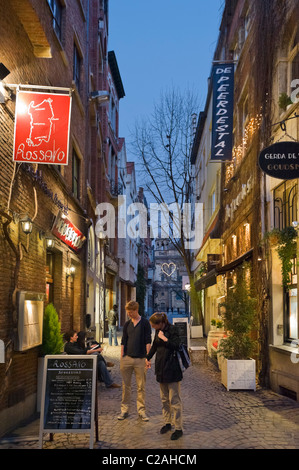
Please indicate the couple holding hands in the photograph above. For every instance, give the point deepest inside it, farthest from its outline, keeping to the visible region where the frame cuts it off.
(137, 350)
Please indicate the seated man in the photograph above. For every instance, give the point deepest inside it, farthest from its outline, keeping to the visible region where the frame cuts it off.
(95, 347)
(71, 347)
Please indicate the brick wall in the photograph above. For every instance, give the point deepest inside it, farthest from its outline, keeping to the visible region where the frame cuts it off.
(18, 376)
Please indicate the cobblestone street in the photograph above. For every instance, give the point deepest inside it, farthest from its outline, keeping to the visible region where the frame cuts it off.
(213, 418)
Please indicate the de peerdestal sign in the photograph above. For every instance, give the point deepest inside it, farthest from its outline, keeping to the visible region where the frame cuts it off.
(281, 160)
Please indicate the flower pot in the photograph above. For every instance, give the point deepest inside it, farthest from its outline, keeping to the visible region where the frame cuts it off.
(238, 374)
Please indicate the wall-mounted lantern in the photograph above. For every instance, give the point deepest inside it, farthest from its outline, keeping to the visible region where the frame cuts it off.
(26, 224)
(70, 271)
(50, 242)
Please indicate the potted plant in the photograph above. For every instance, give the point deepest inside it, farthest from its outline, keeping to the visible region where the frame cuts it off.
(52, 343)
(284, 101)
(213, 324)
(52, 337)
(238, 368)
(219, 325)
(285, 242)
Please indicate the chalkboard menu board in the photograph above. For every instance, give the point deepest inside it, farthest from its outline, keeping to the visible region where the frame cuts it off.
(183, 328)
(68, 396)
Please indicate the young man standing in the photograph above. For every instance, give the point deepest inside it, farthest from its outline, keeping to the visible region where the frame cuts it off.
(135, 345)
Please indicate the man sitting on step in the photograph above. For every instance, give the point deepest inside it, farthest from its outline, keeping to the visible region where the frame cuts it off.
(72, 347)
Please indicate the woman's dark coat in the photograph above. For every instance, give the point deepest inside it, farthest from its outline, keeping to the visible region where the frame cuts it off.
(167, 368)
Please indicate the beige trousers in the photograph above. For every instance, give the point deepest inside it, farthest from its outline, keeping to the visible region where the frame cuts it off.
(128, 365)
(172, 404)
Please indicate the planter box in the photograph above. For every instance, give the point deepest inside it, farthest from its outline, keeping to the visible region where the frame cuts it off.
(196, 331)
(238, 374)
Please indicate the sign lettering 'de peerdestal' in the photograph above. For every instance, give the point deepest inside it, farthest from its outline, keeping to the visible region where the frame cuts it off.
(223, 109)
(42, 122)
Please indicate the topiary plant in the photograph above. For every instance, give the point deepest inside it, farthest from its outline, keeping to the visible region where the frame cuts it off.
(52, 337)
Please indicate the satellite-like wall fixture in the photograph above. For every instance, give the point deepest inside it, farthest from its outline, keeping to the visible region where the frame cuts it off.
(101, 96)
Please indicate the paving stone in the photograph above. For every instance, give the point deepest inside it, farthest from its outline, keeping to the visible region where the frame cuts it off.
(213, 417)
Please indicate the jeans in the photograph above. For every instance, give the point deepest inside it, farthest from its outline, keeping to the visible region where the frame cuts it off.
(103, 373)
(112, 332)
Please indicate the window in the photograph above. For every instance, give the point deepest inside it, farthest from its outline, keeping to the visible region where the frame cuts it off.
(112, 114)
(56, 9)
(247, 23)
(288, 66)
(50, 277)
(212, 203)
(290, 312)
(77, 67)
(294, 57)
(285, 205)
(76, 175)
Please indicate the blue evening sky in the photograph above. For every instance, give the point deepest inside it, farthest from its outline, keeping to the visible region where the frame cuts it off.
(161, 43)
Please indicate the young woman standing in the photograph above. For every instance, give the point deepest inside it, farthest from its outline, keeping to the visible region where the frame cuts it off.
(168, 372)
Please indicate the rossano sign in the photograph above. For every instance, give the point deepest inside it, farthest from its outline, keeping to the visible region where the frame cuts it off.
(42, 123)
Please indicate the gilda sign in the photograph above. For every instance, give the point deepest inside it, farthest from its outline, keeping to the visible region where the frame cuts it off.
(281, 160)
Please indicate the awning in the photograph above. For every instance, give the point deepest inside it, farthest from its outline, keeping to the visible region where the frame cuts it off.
(234, 264)
(211, 277)
(206, 281)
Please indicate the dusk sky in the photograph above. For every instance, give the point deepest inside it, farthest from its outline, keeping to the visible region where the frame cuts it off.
(161, 44)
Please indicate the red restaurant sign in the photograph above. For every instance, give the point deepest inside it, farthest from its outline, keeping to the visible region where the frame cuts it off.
(42, 124)
(68, 233)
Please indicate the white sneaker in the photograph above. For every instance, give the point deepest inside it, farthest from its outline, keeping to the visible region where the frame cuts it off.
(122, 416)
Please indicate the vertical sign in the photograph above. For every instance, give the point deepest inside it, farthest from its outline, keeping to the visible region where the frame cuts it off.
(223, 109)
(69, 395)
(183, 327)
(42, 123)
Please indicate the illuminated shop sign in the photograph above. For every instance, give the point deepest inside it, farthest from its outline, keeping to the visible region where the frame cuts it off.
(281, 160)
(42, 123)
(68, 233)
(223, 109)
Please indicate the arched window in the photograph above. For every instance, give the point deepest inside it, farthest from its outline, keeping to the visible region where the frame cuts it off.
(294, 57)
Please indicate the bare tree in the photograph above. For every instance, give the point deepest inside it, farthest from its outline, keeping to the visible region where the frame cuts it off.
(162, 144)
